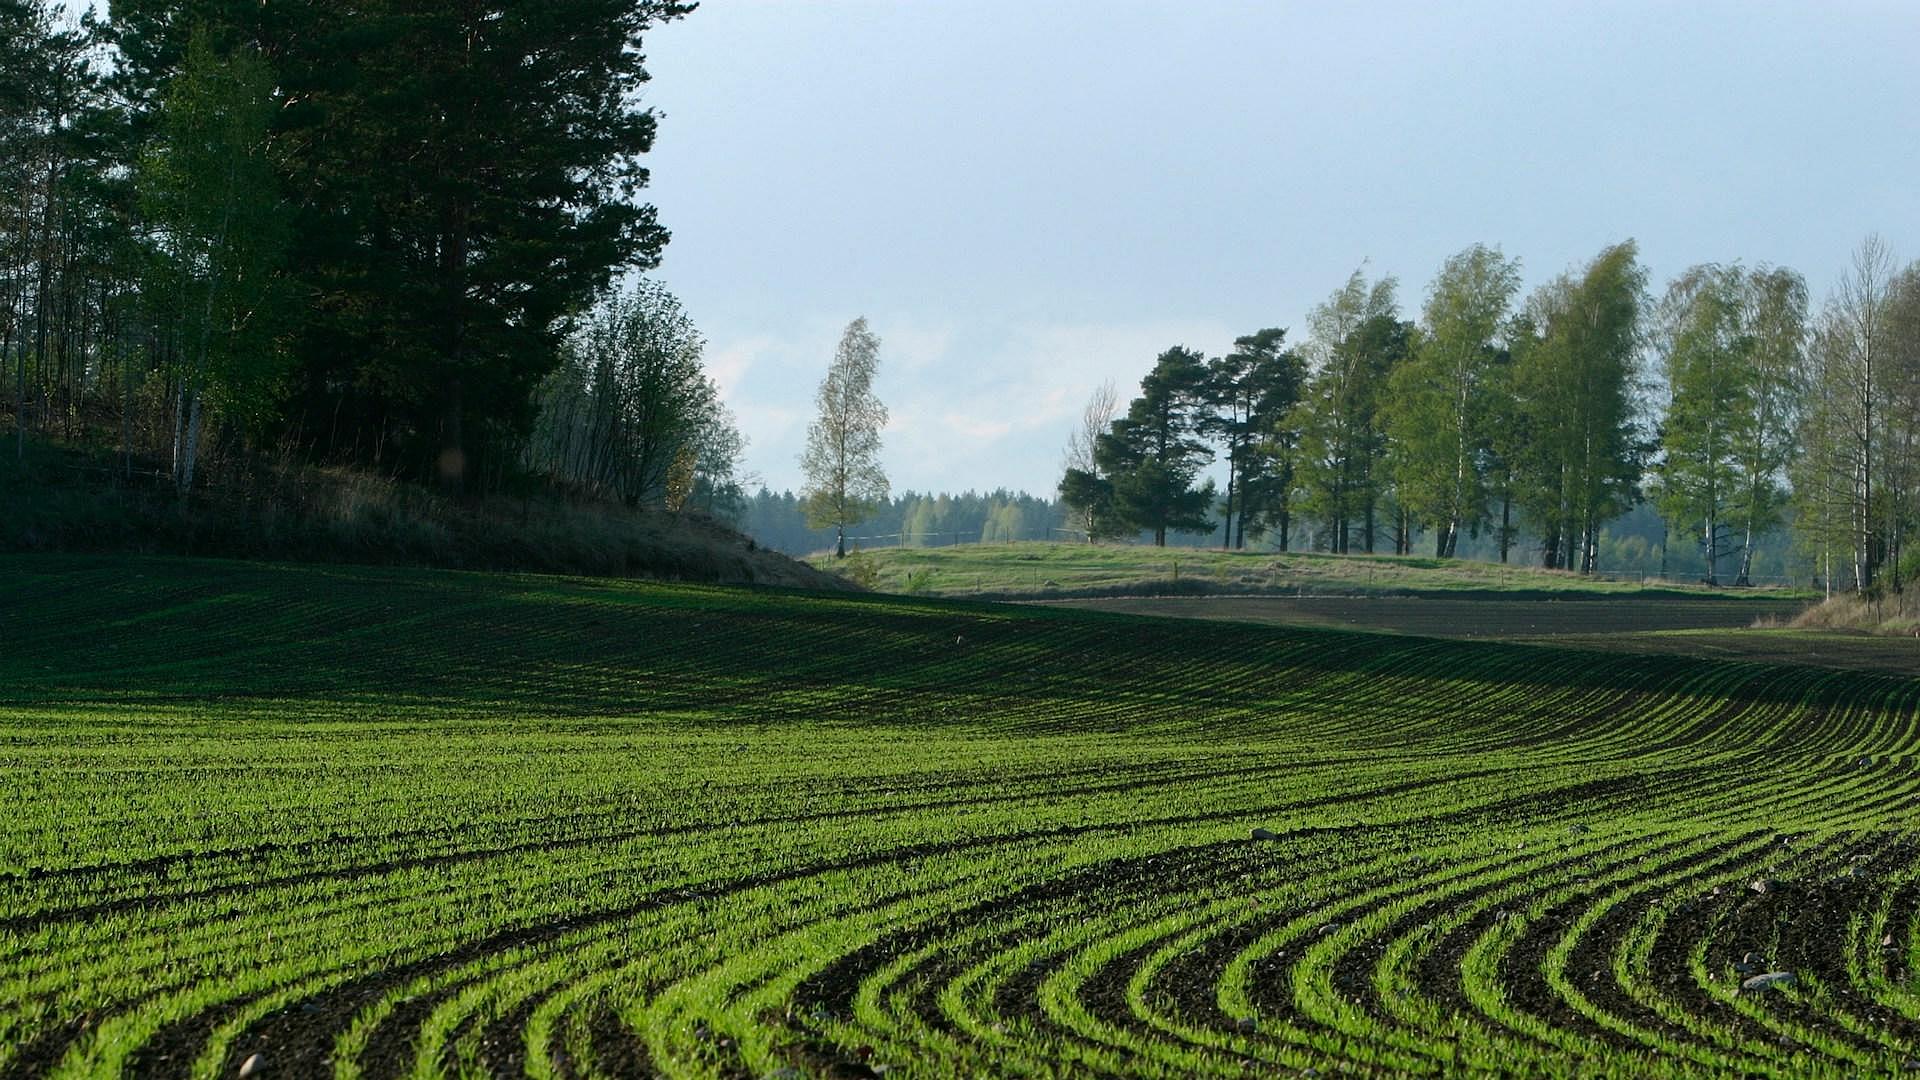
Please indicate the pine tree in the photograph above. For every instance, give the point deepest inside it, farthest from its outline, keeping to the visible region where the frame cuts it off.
(1250, 391)
(463, 180)
(1154, 454)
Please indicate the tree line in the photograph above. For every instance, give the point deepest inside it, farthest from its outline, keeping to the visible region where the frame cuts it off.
(371, 232)
(1726, 403)
(779, 520)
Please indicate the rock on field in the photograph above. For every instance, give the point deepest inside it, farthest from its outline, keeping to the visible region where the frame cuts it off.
(1781, 980)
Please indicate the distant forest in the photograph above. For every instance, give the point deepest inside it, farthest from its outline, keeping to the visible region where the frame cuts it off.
(1636, 543)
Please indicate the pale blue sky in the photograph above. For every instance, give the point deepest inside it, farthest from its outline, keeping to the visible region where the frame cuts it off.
(1025, 198)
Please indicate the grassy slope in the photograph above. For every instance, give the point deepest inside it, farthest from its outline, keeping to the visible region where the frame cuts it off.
(382, 819)
(1016, 570)
(77, 498)
(1886, 614)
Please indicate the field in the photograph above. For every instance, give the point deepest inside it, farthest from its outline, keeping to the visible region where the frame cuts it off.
(1481, 617)
(1037, 569)
(368, 822)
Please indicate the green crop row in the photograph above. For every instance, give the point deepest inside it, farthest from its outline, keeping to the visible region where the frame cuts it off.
(378, 822)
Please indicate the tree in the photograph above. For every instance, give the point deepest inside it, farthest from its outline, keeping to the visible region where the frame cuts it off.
(1443, 405)
(1357, 339)
(1250, 390)
(1082, 486)
(1900, 433)
(48, 92)
(1775, 310)
(1154, 453)
(718, 488)
(1574, 385)
(842, 459)
(1707, 356)
(1822, 483)
(464, 181)
(27, 41)
(631, 413)
(1843, 426)
(210, 193)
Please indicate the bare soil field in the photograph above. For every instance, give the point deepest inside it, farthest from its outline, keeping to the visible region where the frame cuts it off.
(1461, 618)
(1721, 628)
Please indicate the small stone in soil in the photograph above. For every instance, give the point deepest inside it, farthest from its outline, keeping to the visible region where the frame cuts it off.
(1771, 980)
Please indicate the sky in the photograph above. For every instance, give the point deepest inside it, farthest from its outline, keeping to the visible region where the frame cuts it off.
(1025, 199)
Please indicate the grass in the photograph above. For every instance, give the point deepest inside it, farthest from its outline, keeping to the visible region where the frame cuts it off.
(76, 497)
(372, 821)
(1032, 569)
(1896, 614)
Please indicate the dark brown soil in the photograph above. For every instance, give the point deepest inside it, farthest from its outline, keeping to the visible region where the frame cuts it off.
(1462, 618)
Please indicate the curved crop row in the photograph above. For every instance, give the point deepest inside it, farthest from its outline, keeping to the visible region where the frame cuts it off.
(371, 823)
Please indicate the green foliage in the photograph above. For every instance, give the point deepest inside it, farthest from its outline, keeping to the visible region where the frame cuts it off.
(842, 459)
(858, 567)
(1710, 367)
(1092, 496)
(1153, 454)
(1252, 390)
(1575, 372)
(466, 181)
(1357, 341)
(210, 193)
(1446, 403)
(608, 823)
(631, 401)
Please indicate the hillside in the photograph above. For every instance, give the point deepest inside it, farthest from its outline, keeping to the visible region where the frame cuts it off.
(72, 498)
(374, 821)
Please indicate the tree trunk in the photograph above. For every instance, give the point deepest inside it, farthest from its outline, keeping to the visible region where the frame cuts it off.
(179, 428)
(452, 465)
(1506, 526)
(1746, 553)
(191, 447)
(1226, 535)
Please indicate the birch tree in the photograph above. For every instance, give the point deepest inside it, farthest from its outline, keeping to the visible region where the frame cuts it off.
(210, 191)
(1774, 311)
(842, 458)
(1854, 343)
(1355, 340)
(1442, 404)
(1575, 394)
(631, 412)
(1900, 437)
(1706, 355)
(1083, 487)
